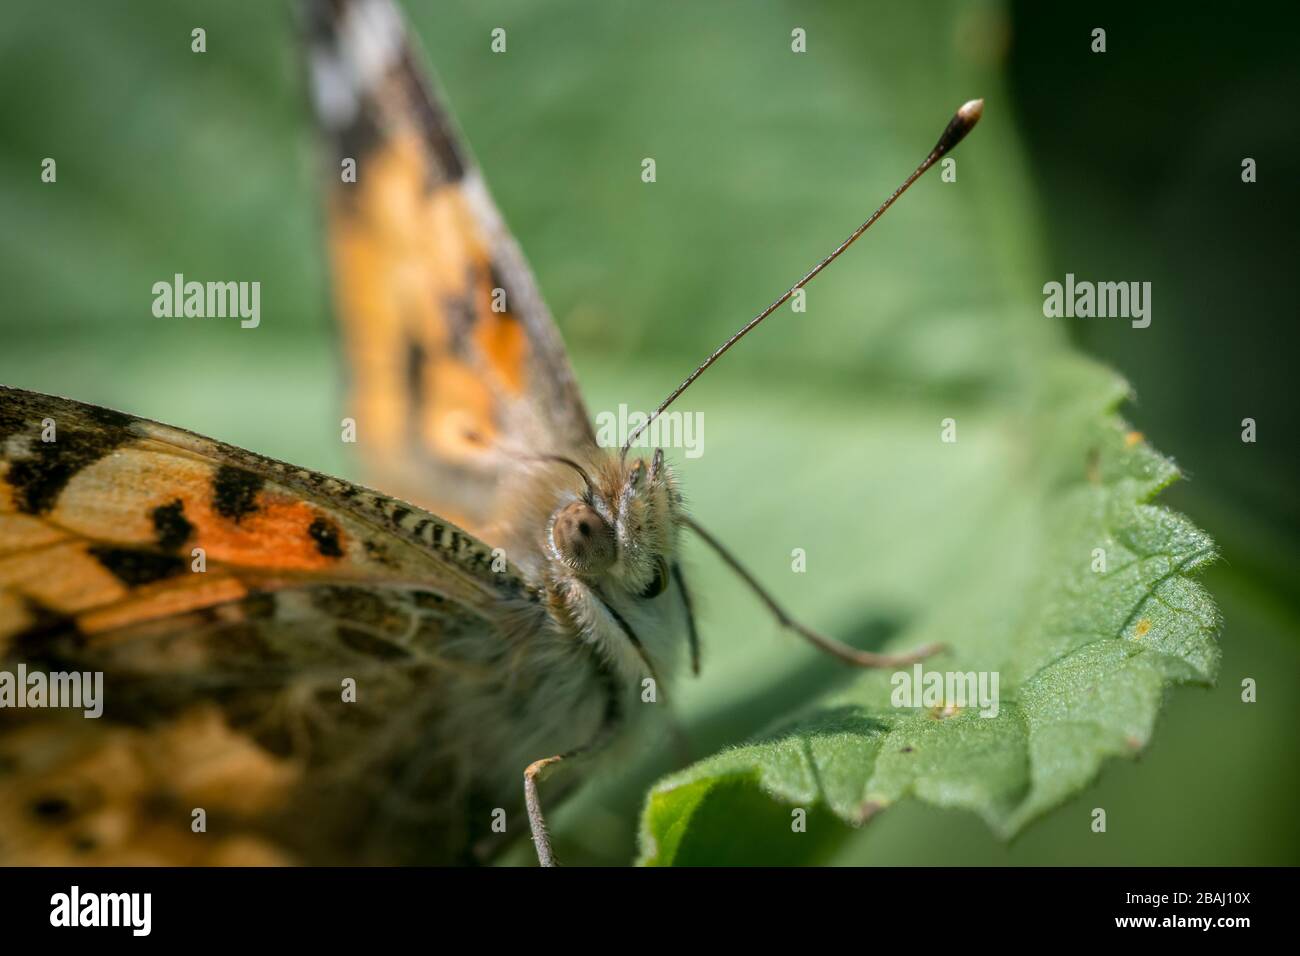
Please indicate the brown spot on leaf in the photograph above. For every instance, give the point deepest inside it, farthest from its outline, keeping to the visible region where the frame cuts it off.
(868, 809)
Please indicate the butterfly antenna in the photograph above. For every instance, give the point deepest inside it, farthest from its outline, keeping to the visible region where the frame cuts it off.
(961, 124)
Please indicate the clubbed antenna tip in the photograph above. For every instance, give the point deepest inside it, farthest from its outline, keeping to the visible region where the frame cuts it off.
(961, 124)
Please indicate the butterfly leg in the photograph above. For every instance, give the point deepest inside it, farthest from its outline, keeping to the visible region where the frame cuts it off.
(536, 821)
(533, 803)
(610, 721)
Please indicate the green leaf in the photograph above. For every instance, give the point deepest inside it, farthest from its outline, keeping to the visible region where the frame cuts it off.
(1083, 656)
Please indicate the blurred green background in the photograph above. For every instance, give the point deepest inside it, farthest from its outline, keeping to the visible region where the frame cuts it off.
(820, 429)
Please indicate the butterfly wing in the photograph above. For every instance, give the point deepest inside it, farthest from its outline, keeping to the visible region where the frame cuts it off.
(458, 371)
(327, 673)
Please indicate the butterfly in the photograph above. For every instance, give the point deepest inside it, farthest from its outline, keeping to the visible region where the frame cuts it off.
(295, 669)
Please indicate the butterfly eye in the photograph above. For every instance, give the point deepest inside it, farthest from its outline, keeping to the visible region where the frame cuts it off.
(584, 539)
(659, 582)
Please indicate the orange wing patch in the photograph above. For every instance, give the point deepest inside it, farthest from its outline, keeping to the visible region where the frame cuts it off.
(458, 371)
(116, 521)
(143, 532)
(146, 495)
(432, 360)
(64, 578)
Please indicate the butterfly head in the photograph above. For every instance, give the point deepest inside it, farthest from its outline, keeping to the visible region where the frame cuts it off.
(623, 528)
